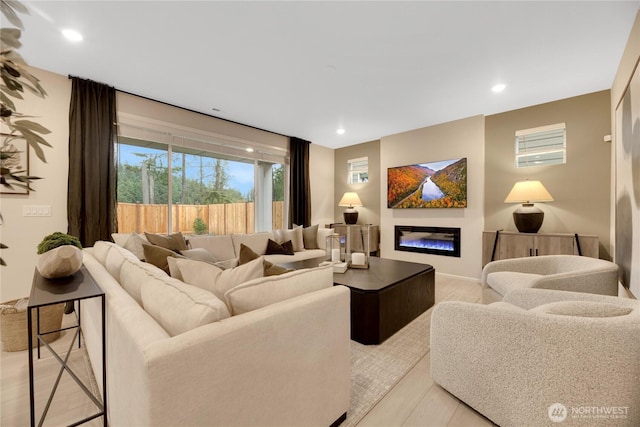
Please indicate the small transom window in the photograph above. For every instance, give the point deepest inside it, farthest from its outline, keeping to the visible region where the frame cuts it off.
(545, 145)
(358, 170)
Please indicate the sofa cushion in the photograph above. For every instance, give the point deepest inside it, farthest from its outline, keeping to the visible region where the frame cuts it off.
(270, 269)
(583, 309)
(503, 281)
(270, 290)
(115, 258)
(221, 247)
(273, 248)
(134, 274)
(257, 242)
(101, 250)
(174, 242)
(295, 235)
(216, 280)
(179, 307)
(157, 256)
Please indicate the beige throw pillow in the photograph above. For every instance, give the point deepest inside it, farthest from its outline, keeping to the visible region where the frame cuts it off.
(134, 245)
(309, 236)
(294, 235)
(216, 280)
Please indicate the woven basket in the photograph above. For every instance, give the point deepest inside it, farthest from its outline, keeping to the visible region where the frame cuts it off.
(13, 324)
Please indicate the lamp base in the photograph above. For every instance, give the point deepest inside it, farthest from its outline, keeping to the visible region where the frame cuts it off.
(350, 216)
(528, 218)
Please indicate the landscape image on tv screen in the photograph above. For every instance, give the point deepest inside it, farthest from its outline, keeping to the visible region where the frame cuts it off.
(440, 184)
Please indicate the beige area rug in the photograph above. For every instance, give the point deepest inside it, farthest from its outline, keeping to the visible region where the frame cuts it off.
(375, 369)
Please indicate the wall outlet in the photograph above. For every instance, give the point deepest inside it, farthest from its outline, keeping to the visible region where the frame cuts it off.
(36, 210)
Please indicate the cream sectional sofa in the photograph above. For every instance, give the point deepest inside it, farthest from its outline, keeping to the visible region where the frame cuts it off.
(177, 357)
(228, 246)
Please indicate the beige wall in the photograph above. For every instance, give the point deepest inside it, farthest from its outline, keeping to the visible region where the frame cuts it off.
(321, 180)
(22, 234)
(461, 138)
(369, 192)
(580, 187)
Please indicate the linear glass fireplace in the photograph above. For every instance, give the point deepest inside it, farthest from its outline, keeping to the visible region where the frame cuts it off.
(428, 240)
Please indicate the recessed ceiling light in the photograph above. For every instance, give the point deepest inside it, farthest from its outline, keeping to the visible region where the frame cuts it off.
(72, 35)
(249, 149)
(498, 88)
(340, 131)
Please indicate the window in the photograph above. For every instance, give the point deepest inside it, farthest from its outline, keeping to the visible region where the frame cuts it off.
(200, 190)
(358, 170)
(544, 145)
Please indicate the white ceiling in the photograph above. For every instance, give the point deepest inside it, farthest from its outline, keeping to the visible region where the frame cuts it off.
(307, 68)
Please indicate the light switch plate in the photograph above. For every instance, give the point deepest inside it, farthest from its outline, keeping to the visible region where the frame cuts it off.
(36, 210)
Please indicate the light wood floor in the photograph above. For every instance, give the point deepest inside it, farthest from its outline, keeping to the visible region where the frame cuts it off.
(69, 404)
(414, 401)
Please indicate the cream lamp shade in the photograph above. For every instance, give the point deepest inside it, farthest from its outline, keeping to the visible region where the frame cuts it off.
(350, 199)
(528, 218)
(528, 192)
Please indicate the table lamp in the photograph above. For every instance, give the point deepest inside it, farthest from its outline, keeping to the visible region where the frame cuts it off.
(350, 199)
(528, 218)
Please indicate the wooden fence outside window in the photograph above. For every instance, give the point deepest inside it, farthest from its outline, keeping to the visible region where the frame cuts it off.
(220, 218)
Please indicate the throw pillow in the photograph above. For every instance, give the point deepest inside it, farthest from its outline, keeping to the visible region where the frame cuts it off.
(270, 269)
(199, 254)
(134, 245)
(309, 236)
(295, 236)
(174, 241)
(157, 256)
(216, 280)
(275, 248)
(228, 263)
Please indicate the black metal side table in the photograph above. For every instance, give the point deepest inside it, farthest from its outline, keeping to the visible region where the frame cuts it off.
(45, 292)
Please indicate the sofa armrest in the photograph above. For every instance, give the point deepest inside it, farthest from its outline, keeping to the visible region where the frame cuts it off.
(603, 282)
(512, 365)
(532, 265)
(284, 364)
(528, 298)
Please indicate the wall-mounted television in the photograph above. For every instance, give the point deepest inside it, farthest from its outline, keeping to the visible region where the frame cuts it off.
(441, 184)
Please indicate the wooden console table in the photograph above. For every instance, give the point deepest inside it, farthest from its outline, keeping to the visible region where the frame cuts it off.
(510, 244)
(45, 292)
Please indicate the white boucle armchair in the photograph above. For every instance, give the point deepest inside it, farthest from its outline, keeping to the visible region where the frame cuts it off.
(541, 354)
(560, 272)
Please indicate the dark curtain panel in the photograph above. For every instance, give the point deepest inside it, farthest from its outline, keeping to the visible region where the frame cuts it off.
(299, 187)
(91, 202)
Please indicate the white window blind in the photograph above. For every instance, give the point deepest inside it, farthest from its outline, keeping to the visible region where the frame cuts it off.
(545, 145)
(358, 170)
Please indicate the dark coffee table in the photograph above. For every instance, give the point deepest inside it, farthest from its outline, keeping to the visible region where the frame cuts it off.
(385, 297)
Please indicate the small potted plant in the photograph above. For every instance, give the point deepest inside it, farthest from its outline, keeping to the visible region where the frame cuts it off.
(60, 255)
